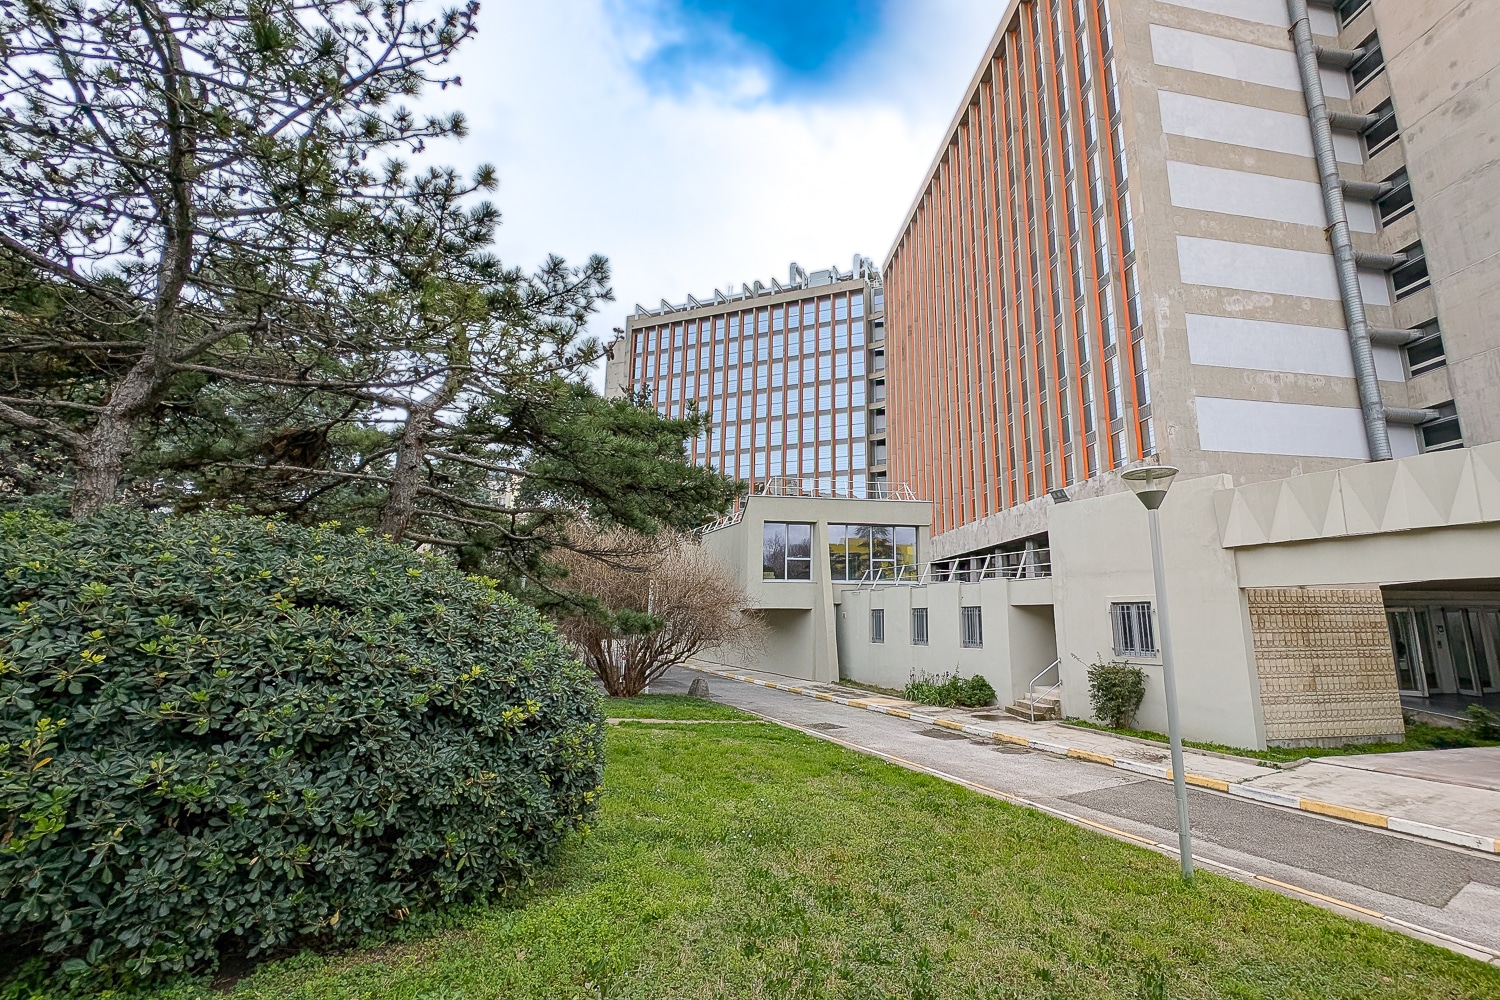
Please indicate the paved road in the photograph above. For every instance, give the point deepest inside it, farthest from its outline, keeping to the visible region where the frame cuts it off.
(1453, 892)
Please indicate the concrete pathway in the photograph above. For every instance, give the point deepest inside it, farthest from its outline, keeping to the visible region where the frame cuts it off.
(1442, 893)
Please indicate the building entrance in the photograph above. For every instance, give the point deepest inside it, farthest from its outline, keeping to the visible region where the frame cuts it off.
(1446, 648)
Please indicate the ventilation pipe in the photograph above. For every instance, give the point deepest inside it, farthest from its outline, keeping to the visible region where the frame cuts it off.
(1377, 433)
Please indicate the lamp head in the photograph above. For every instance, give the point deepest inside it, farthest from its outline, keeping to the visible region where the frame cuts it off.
(1151, 483)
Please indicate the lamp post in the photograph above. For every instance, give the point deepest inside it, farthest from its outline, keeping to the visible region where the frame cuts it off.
(1150, 485)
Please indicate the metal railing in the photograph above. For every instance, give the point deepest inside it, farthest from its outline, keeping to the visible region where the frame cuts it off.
(728, 520)
(815, 487)
(1031, 695)
(1031, 564)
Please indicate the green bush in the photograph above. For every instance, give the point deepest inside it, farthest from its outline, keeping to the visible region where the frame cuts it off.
(1116, 691)
(221, 736)
(947, 690)
(1484, 723)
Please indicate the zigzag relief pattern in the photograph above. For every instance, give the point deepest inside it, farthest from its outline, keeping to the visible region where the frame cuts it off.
(1426, 491)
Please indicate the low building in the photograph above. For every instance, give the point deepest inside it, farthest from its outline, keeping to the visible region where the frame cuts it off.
(1314, 610)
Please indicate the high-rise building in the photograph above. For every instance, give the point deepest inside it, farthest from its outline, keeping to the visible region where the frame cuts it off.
(791, 375)
(1136, 242)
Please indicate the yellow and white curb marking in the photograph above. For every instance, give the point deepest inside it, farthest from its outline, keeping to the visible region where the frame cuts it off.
(1366, 818)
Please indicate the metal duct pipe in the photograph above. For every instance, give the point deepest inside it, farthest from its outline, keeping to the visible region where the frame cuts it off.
(1346, 122)
(1367, 190)
(1380, 261)
(1396, 338)
(1377, 434)
(1339, 58)
(1413, 418)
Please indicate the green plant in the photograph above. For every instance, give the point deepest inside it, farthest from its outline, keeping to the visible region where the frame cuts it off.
(1484, 723)
(1116, 691)
(220, 734)
(947, 690)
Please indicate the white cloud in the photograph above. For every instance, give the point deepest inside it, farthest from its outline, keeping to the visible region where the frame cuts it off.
(687, 192)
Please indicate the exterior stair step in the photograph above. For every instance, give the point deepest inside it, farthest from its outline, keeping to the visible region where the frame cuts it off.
(1048, 707)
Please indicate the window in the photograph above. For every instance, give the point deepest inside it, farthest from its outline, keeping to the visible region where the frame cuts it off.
(1444, 432)
(1427, 354)
(1368, 66)
(881, 552)
(973, 627)
(1384, 131)
(919, 626)
(1134, 629)
(1411, 277)
(877, 625)
(1398, 204)
(786, 551)
(1348, 10)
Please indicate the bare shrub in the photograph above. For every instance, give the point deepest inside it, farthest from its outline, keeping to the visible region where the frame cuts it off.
(648, 605)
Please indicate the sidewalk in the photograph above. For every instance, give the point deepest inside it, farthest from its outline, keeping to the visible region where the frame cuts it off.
(1458, 814)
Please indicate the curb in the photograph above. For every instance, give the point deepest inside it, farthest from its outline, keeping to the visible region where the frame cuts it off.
(1425, 831)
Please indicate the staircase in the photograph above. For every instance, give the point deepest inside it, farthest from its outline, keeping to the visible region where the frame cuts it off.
(1045, 706)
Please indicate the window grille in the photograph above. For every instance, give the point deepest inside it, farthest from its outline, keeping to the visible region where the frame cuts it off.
(973, 628)
(1134, 628)
(919, 626)
(877, 625)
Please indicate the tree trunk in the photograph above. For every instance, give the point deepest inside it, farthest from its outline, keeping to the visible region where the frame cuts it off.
(101, 456)
(401, 499)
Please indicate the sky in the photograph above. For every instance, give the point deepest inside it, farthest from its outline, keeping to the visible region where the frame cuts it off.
(705, 143)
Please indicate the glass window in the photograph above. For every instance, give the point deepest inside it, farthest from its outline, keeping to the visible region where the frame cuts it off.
(1427, 354)
(1398, 203)
(1444, 432)
(877, 625)
(1384, 131)
(1411, 277)
(1368, 65)
(838, 561)
(972, 621)
(1348, 10)
(919, 626)
(1134, 628)
(906, 547)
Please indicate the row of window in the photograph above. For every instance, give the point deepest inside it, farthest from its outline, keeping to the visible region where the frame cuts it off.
(1132, 623)
(809, 313)
(970, 626)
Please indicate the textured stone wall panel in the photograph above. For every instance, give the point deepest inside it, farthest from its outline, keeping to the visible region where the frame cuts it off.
(1326, 668)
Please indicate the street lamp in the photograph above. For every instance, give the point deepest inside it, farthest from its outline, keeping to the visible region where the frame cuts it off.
(1150, 485)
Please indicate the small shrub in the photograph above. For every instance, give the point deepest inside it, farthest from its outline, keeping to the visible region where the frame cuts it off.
(1484, 723)
(1116, 691)
(230, 734)
(947, 690)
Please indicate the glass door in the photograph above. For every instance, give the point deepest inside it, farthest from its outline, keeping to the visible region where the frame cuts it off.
(1484, 637)
(1410, 675)
(1461, 650)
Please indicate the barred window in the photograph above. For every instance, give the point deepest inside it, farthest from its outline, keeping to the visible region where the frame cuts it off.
(1134, 628)
(973, 628)
(919, 626)
(877, 625)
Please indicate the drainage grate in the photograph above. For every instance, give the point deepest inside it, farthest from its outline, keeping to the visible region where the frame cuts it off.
(824, 726)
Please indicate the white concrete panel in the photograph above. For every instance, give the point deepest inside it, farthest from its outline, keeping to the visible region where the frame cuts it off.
(1361, 215)
(1262, 428)
(1335, 83)
(1253, 268)
(1191, 50)
(1263, 11)
(1404, 441)
(1222, 342)
(1257, 196)
(1324, 21)
(1250, 267)
(1241, 125)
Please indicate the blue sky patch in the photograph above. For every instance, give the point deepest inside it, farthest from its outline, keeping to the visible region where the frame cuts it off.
(798, 45)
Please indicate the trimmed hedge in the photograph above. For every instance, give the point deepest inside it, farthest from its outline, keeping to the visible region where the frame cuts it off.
(222, 735)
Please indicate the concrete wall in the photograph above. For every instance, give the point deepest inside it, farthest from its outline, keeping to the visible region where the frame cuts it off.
(1101, 554)
(1443, 76)
(799, 615)
(1019, 634)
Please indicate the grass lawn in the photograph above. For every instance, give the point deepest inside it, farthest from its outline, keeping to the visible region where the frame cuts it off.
(1419, 736)
(751, 861)
(669, 706)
